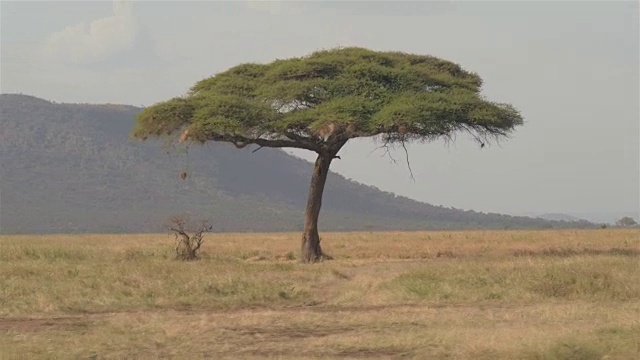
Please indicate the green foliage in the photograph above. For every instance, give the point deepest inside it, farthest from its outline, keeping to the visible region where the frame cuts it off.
(328, 97)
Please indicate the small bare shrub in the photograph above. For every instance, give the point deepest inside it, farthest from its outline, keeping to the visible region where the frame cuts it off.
(187, 245)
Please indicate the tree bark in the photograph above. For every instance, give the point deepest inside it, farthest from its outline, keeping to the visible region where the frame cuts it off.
(311, 250)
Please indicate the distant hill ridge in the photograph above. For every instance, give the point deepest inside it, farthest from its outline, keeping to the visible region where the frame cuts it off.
(72, 168)
(559, 217)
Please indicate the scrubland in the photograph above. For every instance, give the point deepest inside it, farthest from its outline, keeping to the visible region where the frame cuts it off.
(569, 294)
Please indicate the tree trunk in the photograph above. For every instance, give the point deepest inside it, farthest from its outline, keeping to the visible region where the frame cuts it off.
(311, 250)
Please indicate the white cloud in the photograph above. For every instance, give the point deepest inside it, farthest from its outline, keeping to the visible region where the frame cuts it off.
(100, 39)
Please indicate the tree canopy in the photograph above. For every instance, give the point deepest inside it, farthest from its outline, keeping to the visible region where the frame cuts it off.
(328, 97)
(626, 221)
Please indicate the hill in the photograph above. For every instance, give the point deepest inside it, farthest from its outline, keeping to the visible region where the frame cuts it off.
(72, 168)
(559, 217)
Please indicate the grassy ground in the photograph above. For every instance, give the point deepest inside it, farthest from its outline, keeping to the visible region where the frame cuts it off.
(425, 295)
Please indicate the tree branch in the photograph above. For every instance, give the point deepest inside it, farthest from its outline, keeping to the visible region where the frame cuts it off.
(406, 152)
(241, 141)
(386, 151)
(293, 136)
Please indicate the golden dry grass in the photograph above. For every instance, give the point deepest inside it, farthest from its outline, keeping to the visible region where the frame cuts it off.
(571, 294)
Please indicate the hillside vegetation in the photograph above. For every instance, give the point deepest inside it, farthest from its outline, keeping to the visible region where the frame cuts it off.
(72, 168)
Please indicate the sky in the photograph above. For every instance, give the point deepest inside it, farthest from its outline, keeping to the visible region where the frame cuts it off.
(571, 68)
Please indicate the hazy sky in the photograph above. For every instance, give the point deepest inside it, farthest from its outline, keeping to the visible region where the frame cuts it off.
(572, 68)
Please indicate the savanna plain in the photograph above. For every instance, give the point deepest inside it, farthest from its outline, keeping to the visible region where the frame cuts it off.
(552, 294)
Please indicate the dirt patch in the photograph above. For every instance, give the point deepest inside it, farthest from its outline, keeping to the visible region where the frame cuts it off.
(446, 254)
(44, 324)
(567, 252)
(372, 353)
(351, 353)
(290, 332)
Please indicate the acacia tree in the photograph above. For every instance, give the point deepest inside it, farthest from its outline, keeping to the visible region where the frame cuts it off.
(321, 101)
(626, 221)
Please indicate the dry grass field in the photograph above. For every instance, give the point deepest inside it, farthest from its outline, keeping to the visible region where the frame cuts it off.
(571, 294)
